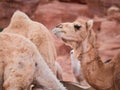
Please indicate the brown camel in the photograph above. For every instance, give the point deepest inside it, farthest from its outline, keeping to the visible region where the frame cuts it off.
(81, 37)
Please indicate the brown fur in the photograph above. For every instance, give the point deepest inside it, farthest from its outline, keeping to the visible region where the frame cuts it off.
(21, 65)
(37, 33)
(101, 76)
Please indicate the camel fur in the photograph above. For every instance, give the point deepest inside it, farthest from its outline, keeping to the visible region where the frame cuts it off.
(22, 65)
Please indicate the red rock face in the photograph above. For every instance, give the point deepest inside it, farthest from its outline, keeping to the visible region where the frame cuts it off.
(54, 13)
(109, 39)
(8, 7)
(77, 1)
(100, 6)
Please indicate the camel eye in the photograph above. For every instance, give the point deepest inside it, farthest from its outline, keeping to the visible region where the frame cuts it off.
(77, 27)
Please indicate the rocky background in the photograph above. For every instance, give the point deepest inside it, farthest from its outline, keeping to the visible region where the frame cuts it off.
(105, 13)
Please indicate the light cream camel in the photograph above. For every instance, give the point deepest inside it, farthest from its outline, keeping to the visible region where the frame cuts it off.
(81, 37)
(36, 32)
(22, 65)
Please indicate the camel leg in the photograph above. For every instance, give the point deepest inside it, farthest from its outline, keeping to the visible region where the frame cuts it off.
(16, 88)
(16, 79)
(12, 87)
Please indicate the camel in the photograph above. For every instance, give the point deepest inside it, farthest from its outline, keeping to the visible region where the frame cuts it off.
(36, 32)
(81, 37)
(22, 65)
(76, 67)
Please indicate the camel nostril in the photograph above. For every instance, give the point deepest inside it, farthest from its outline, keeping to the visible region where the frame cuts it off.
(59, 26)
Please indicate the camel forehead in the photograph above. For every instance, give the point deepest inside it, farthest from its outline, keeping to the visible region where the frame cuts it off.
(67, 24)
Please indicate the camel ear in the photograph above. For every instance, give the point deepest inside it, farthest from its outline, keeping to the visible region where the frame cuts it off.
(89, 24)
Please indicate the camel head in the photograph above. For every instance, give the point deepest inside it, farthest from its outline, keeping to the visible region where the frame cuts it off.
(75, 33)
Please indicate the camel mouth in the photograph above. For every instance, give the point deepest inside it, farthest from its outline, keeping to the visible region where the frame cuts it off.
(66, 40)
(57, 32)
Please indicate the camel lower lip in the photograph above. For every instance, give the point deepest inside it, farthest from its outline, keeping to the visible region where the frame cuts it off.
(65, 39)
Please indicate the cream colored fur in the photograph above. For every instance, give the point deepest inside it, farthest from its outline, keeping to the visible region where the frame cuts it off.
(21, 65)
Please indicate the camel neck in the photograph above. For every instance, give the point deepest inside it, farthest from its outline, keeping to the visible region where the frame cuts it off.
(91, 56)
(94, 70)
(89, 51)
